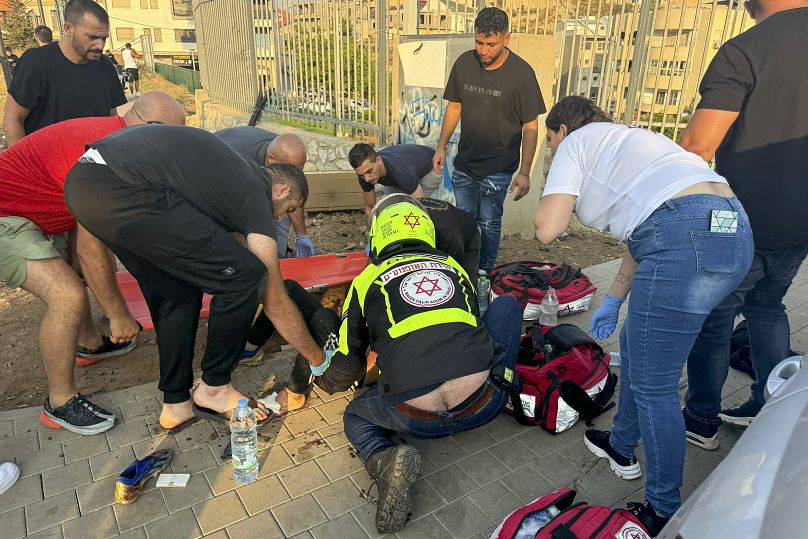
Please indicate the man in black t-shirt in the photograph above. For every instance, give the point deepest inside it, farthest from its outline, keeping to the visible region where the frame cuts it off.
(12, 59)
(753, 117)
(64, 80)
(497, 96)
(402, 168)
(167, 201)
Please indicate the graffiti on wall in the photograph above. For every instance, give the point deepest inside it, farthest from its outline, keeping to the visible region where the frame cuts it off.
(420, 117)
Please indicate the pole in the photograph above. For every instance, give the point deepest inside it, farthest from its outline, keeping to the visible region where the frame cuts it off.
(4, 61)
(41, 12)
(382, 114)
(193, 64)
(637, 76)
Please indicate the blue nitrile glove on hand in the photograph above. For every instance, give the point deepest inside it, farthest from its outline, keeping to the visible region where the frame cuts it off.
(605, 318)
(320, 369)
(303, 246)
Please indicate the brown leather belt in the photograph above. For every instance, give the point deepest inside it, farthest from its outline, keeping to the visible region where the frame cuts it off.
(475, 406)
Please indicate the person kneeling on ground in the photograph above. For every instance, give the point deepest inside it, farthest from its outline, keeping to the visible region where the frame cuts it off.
(456, 235)
(416, 308)
(167, 200)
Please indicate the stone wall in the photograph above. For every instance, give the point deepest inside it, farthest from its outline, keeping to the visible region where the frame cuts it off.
(325, 153)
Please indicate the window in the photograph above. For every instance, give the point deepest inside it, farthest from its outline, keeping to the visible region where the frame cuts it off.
(125, 35)
(121, 3)
(654, 67)
(153, 4)
(679, 68)
(185, 36)
(54, 19)
(660, 97)
(588, 45)
(147, 33)
(158, 35)
(647, 97)
(673, 97)
(421, 19)
(181, 8)
(600, 46)
(144, 4)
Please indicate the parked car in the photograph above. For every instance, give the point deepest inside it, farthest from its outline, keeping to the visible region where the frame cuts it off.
(321, 107)
(760, 489)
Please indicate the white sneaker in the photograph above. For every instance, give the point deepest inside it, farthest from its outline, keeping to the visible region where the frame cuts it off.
(137, 94)
(9, 473)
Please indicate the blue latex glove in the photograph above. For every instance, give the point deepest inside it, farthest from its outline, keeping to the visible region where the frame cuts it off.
(605, 318)
(320, 369)
(303, 246)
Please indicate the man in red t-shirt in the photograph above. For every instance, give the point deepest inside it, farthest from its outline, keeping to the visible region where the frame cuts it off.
(36, 235)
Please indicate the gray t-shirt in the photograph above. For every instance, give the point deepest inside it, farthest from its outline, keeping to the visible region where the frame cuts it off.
(251, 142)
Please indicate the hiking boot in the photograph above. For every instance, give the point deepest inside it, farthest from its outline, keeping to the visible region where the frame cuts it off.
(107, 349)
(598, 443)
(742, 415)
(77, 415)
(648, 517)
(394, 469)
(700, 433)
(252, 358)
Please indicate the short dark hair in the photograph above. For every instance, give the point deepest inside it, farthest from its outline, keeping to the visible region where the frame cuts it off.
(575, 111)
(360, 153)
(75, 10)
(491, 20)
(292, 176)
(128, 45)
(8, 49)
(44, 33)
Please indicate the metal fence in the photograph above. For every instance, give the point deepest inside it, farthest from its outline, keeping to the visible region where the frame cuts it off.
(179, 75)
(329, 63)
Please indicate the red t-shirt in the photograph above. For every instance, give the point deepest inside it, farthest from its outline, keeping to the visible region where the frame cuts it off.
(33, 171)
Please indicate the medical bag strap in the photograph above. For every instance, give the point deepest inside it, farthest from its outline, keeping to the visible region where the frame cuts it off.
(509, 380)
(563, 532)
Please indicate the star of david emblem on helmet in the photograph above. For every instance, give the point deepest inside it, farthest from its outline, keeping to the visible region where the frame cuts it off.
(412, 220)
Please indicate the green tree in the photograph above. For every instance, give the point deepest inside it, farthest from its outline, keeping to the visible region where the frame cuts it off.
(17, 30)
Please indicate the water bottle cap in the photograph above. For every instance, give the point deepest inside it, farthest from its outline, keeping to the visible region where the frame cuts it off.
(242, 403)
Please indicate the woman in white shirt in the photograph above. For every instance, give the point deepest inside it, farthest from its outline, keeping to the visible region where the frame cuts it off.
(689, 246)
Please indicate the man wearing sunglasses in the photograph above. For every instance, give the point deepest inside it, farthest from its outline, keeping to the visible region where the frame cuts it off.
(39, 239)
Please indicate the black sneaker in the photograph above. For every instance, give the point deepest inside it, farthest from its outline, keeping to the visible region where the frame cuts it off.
(78, 415)
(598, 443)
(107, 349)
(699, 433)
(394, 469)
(648, 517)
(742, 415)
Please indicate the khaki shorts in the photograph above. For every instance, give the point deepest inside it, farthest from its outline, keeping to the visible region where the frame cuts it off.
(22, 240)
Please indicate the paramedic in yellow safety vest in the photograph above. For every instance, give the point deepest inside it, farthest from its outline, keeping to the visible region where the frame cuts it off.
(417, 309)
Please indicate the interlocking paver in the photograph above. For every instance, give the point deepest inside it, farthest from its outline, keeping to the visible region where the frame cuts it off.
(162, 441)
(51, 437)
(97, 495)
(24, 491)
(527, 484)
(221, 479)
(220, 512)
(193, 461)
(340, 463)
(65, 478)
(54, 532)
(474, 441)
(39, 461)
(263, 494)
(462, 518)
(99, 524)
(483, 468)
(51, 511)
(298, 515)
(442, 452)
(274, 460)
(424, 528)
(556, 469)
(306, 447)
(338, 498)
(339, 528)
(85, 447)
(496, 500)
(137, 533)
(112, 463)
(13, 523)
(196, 435)
(20, 444)
(18, 413)
(604, 484)
(128, 434)
(272, 434)
(513, 454)
(305, 421)
(261, 525)
(181, 525)
(196, 491)
(6, 428)
(334, 410)
(303, 478)
(27, 424)
(452, 483)
(149, 407)
(425, 499)
(148, 507)
(365, 515)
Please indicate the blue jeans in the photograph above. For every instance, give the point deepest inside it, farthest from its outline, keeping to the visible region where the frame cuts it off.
(760, 298)
(483, 199)
(684, 271)
(370, 414)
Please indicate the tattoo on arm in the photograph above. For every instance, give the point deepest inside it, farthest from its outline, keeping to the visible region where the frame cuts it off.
(624, 279)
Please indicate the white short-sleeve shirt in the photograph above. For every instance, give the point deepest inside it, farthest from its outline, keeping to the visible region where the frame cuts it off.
(621, 174)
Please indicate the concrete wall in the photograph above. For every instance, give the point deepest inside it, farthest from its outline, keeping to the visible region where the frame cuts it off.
(326, 153)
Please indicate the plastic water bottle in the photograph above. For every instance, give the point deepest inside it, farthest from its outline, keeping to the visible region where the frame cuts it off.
(244, 443)
(615, 362)
(549, 308)
(535, 522)
(483, 289)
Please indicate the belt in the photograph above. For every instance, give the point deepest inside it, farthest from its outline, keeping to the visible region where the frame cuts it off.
(427, 415)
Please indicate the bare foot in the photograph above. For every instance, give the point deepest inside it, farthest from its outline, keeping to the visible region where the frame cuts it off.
(290, 401)
(224, 399)
(174, 415)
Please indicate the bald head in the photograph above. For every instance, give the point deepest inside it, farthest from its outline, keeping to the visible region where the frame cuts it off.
(286, 148)
(155, 107)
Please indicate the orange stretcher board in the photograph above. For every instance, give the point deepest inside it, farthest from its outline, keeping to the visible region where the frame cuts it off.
(313, 273)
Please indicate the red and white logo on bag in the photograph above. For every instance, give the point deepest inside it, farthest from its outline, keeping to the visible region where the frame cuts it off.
(427, 288)
(631, 531)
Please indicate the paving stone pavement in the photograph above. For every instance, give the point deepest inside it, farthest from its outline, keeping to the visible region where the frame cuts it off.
(311, 484)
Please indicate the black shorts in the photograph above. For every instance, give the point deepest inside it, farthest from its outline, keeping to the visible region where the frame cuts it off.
(131, 74)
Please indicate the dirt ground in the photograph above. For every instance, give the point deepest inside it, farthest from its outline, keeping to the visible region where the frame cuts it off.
(24, 383)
